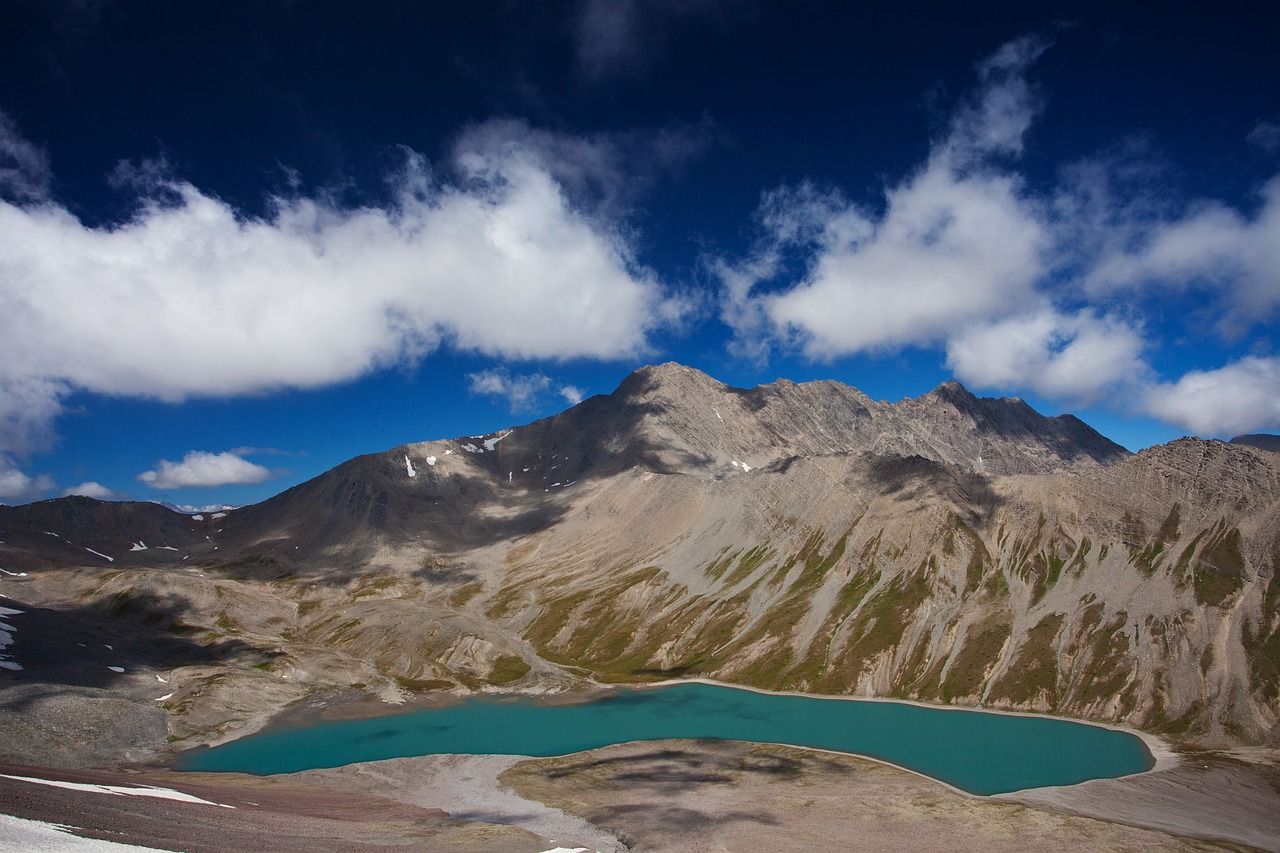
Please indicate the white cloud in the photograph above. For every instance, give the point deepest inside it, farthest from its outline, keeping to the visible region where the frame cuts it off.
(947, 251)
(92, 489)
(521, 392)
(1231, 258)
(193, 298)
(19, 487)
(1073, 357)
(202, 469)
(1241, 397)
(958, 241)
(1042, 291)
(24, 168)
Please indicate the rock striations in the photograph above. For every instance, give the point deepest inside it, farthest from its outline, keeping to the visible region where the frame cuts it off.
(946, 548)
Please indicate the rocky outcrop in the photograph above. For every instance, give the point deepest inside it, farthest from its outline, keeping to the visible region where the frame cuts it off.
(945, 548)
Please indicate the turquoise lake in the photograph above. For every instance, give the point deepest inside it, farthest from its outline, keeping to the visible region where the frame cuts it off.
(979, 752)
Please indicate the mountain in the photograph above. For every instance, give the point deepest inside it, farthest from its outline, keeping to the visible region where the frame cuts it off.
(1262, 441)
(947, 548)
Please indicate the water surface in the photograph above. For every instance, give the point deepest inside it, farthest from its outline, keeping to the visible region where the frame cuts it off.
(976, 751)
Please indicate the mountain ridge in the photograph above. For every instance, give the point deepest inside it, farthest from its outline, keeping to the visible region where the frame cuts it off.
(946, 548)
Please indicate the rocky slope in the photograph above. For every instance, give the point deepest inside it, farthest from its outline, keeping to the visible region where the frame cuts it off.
(947, 548)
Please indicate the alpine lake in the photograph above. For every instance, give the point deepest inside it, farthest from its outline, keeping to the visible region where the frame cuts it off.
(979, 752)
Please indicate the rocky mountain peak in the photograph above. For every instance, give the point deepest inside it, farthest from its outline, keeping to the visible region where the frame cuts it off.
(669, 380)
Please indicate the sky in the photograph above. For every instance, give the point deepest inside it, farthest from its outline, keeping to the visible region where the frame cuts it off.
(243, 242)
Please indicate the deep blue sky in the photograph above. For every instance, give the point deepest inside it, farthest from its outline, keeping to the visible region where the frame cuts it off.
(241, 242)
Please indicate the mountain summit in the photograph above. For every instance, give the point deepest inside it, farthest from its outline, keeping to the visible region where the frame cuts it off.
(946, 548)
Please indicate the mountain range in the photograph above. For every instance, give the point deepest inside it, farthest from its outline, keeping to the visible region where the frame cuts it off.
(947, 548)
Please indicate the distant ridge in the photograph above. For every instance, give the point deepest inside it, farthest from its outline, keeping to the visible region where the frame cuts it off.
(1262, 441)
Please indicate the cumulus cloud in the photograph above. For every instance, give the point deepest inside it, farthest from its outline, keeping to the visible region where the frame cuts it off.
(957, 242)
(201, 469)
(521, 392)
(1214, 249)
(93, 489)
(18, 487)
(191, 297)
(1241, 397)
(1072, 357)
(1023, 290)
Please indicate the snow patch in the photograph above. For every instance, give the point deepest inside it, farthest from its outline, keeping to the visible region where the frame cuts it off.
(6, 640)
(116, 668)
(744, 466)
(471, 448)
(409, 466)
(139, 546)
(197, 517)
(167, 548)
(100, 554)
(164, 697)
(219, 515)
(13, 574)
(490, 443)
(431, 460)
(119, 790)
(25, 834)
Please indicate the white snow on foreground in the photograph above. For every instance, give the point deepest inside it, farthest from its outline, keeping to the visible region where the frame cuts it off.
(6, 640)
(409, 465)
(19, 834)
(119, 790)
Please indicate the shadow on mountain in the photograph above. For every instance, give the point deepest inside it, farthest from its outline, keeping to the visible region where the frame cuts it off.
(915, 478)
(435, 572)
(128, 631)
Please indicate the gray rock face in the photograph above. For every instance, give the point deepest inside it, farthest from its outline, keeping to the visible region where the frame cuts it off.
(946, 548)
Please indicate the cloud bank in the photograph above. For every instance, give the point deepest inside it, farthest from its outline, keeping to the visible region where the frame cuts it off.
(201, 469)
(190, 297)
(1021, 290)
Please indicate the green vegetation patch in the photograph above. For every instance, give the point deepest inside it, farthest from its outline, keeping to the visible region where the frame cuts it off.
(1034, 671)
(508, 668)
(600, 638)
(1107, 668)
(880, 624)
(1149, 557)
(973, 663)
(463, 594)
(422, 685)
(1262, 642)
(1220, 568)
(748, 563)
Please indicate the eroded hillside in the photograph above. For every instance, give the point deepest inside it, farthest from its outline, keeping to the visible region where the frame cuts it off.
(948, 548)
